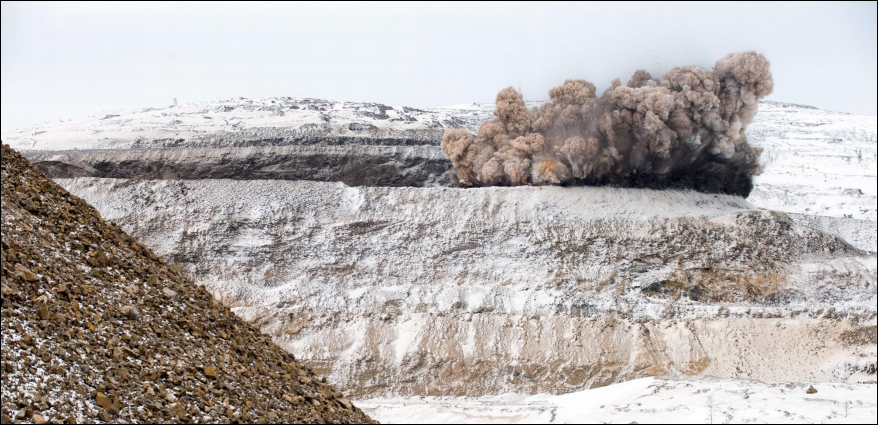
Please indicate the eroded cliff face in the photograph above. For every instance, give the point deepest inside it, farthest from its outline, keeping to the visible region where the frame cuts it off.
(489, 354)
(429, 291)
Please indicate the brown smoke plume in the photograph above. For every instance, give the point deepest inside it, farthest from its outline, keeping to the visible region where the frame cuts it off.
(685, 130)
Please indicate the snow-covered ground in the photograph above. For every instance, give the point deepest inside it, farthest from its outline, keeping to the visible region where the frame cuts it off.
(649, 400)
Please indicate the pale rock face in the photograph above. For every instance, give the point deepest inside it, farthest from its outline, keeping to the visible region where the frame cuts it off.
(429, 291)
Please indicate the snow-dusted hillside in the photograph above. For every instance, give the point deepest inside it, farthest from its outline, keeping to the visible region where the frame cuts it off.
(820, 166)
(233, 121)
(816, 162)
(241, 121)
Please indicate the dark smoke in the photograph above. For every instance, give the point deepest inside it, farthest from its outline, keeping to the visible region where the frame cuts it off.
(685, 130)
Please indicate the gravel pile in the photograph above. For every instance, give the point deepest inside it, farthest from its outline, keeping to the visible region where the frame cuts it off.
(97, 328)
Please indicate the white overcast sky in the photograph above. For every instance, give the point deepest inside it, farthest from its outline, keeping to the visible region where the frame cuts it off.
(81, 59)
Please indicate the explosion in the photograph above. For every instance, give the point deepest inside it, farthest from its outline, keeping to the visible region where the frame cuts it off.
(685, 130)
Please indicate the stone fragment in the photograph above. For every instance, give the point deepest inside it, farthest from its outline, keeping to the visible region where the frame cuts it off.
(130, 311)
(25, 274)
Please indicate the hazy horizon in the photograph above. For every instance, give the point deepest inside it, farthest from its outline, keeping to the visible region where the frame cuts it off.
(65, 61)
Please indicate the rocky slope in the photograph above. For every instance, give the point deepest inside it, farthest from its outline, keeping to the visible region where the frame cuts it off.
(97, 328)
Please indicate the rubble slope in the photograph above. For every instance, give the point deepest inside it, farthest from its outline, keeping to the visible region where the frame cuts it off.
(97, 328)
